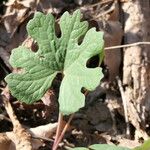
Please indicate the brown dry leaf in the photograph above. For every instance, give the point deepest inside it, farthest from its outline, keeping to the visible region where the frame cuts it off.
(45, 131)
(4, 55)
(102, 120)
(21, 137)
(58, 4)
(16, 13)
(131, 144)
(113, 36)
(6, 92)
(48, 98)
(18, 37)
(4, 142)
(4, 38)
(28, 42)
(107, 20)
(7, 139)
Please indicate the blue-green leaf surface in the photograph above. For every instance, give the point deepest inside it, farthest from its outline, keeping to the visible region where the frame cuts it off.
(101, 147)
(57, 55)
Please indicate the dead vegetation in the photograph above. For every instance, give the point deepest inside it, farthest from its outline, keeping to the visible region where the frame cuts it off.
(120, 106)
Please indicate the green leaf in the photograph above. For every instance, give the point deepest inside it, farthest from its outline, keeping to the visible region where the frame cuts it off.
(107, 147)
(31, 85)
(145, 146)
(101, 147)
(57, 55)
(77, 75)
(79, 148)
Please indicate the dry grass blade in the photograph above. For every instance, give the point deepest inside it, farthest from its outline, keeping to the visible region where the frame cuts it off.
(127, 45)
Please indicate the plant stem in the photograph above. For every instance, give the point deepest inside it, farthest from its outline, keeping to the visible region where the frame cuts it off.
(59, 128)
(59, 134)
(62, 133)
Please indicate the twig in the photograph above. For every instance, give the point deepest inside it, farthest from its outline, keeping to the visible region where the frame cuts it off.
(22, 138)
(107, 11)
(127, 45)
(2, 117)
(124, 106)
(99, 3)
(38, 134)
(10, 112)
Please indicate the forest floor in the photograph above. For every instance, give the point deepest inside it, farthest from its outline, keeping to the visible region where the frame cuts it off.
(103, 119)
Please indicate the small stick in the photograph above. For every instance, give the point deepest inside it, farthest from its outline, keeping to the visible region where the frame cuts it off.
(10, 112)
(127, 45)
(22, 138)
(124, 106)
(107, 11)
(99, 3)
(2, 117)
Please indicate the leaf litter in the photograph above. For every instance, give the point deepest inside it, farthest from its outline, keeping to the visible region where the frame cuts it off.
(8, 45)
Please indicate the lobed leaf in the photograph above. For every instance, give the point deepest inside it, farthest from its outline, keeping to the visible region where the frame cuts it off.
(144, 146)
(57, 55)
(101, 147)
(107, 147)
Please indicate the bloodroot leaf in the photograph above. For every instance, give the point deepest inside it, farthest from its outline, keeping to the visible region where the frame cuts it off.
(101, 147)
(57, 55)
(107, 147)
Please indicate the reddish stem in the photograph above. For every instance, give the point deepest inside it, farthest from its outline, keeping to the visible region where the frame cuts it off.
(62, 133)
(59, 134)
(59, 128)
